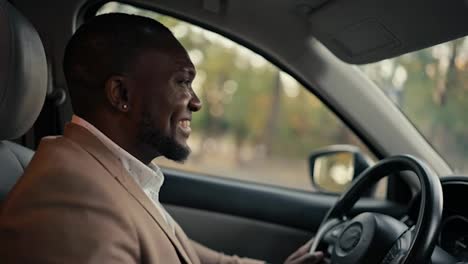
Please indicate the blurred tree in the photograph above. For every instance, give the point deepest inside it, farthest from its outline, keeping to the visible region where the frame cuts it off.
(433, 95)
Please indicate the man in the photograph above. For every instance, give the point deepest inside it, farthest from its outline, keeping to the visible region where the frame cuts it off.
(91, 196)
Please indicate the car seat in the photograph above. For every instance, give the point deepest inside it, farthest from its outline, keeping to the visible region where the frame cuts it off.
(23, 87)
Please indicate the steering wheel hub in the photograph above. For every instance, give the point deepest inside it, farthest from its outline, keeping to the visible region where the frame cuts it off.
(350, 237)
(367, 238)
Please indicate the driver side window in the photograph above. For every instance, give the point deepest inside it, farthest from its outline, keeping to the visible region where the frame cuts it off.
(257, 123)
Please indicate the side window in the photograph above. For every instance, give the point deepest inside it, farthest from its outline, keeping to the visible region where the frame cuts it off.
(257, 123)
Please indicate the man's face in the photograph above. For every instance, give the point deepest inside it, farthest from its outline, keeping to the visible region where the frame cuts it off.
(163, 81)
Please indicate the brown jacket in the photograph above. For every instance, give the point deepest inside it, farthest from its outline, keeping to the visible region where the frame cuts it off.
(76, 204)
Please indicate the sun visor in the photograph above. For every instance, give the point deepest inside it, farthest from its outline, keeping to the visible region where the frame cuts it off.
(365, 31)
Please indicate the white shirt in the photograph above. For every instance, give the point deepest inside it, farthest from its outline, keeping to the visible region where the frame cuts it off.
(149, 177)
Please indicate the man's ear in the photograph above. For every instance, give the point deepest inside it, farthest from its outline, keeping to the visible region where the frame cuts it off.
(117, 93)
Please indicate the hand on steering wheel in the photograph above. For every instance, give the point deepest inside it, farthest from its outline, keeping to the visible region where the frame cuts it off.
(302, 256)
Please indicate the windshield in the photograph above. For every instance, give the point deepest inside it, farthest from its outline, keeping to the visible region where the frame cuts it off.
(431, 87)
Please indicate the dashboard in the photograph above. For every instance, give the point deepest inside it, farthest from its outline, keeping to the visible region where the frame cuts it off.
(453, 236)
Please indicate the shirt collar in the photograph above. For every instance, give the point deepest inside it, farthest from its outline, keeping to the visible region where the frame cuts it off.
(149, 177)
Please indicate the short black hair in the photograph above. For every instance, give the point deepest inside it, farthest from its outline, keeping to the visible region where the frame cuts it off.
(104, 46)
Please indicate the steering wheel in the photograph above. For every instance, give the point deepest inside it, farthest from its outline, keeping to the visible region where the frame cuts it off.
(377, 238)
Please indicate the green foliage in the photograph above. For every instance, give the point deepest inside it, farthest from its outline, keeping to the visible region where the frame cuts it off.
(434, 96)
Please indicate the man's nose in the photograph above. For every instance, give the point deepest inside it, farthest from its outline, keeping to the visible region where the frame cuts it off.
(195, 104)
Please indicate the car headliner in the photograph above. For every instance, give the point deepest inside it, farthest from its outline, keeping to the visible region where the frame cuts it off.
(356, 31)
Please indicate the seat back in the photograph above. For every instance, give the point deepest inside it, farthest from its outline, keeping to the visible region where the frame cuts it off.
(23, 87)
(13, 160)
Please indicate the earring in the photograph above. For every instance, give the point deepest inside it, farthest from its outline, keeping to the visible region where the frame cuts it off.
(125, 107)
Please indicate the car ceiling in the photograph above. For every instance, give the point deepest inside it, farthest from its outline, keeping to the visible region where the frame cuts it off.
(356, 31)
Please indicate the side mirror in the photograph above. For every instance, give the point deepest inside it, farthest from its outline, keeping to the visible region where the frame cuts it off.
(333, 168)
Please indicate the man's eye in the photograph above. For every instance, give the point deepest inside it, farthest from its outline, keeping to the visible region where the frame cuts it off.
(185, 82)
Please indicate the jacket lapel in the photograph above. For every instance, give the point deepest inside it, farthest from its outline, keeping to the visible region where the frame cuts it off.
(131, 186)
(112, 164)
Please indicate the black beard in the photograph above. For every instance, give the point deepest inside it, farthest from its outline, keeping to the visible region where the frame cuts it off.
(166, 146)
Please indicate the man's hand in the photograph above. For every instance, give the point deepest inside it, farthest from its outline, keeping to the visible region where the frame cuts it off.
(302, 256)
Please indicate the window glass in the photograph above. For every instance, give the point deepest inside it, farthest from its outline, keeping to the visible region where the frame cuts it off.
(257, 123)
(431, 87)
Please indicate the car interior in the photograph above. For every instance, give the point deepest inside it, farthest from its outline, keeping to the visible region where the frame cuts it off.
(318, 42)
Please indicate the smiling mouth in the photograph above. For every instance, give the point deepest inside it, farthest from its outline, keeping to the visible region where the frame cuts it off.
(184, 126)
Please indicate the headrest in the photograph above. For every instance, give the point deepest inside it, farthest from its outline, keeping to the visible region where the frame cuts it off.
(23, 73)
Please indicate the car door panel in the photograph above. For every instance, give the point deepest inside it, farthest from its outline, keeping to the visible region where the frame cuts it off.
(239, 235)
(251, 219)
